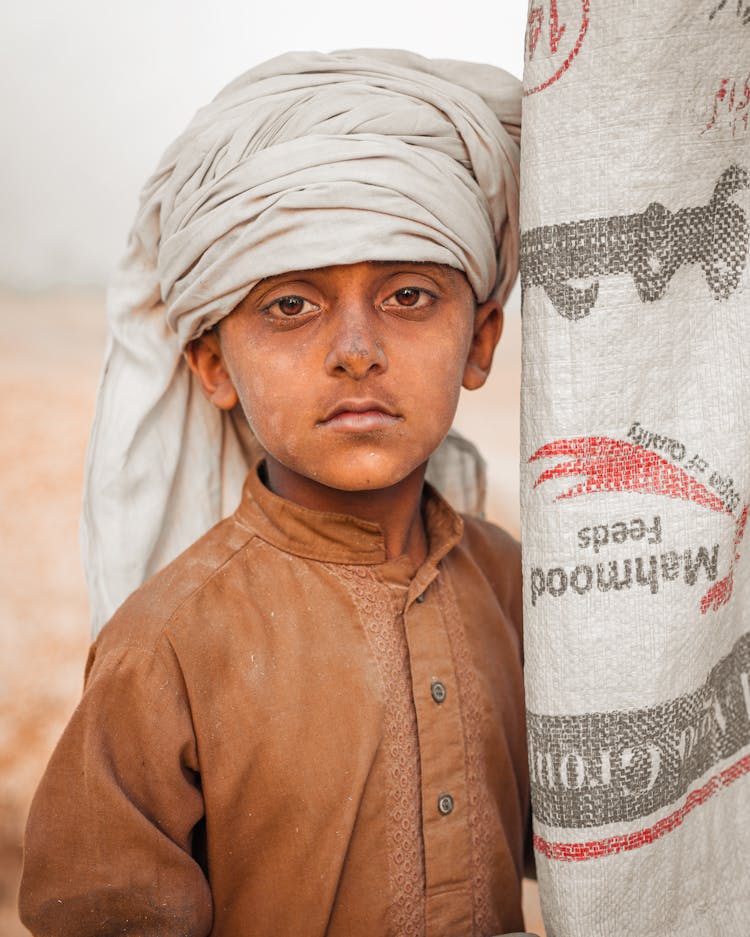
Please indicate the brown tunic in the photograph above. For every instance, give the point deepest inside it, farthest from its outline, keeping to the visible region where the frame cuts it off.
(268, 730)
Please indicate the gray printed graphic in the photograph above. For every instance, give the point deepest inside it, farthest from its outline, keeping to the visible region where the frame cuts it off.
(741, 10)
(599, 768)
(651, 246)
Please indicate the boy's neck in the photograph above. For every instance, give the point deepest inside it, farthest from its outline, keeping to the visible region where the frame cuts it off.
(396, 510)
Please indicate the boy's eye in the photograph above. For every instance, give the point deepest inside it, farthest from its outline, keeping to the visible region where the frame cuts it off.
(410, 297)
(290, 306)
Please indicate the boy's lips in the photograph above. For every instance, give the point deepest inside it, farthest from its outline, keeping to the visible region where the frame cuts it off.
(360, 416)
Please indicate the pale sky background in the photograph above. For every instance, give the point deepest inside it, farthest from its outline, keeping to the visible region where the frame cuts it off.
(93, 92)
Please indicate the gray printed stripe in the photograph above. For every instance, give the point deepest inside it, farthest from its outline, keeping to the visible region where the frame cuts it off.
(651, 246)
(599, 768)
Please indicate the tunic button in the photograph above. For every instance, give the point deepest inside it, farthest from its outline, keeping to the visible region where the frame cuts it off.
(420, 598)
(438, 691)
(445, 804)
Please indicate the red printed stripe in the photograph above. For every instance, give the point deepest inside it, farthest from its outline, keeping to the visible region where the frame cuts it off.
(576, 49)
(615, 465)
(596, 849)
(721, 592)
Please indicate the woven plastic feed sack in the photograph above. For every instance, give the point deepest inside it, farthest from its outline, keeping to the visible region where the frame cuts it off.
(635, 207)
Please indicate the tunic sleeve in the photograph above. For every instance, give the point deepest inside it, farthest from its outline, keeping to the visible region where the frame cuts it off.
(109, 841)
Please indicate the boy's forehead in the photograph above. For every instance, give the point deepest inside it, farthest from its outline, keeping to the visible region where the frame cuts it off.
(375, 268)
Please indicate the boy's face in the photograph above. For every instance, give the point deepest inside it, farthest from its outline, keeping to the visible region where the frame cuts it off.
(350, 375)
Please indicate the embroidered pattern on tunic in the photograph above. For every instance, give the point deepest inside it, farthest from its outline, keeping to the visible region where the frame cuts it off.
(481, 815)
(382, 622)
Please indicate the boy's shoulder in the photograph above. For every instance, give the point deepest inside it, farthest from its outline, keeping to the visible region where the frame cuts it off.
(148, 612)
(498, 556)
(492, 547)
(481, 534)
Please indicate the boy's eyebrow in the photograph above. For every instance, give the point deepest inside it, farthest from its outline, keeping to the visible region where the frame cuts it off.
(426, 265)
(422, 264)
(429, 268)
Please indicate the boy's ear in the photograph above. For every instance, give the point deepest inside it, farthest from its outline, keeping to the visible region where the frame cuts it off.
(488, 327)
(206, 361)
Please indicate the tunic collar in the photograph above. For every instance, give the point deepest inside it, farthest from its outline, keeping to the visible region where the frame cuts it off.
(338, 538)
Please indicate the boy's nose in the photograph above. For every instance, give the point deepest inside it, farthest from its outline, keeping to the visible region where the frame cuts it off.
(355, 349)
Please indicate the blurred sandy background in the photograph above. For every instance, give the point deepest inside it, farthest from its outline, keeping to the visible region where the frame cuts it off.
(95, 96)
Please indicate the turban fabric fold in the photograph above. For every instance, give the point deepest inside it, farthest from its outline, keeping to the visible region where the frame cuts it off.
(305, 161)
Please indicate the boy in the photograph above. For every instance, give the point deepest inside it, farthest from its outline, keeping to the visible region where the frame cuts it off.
(311, 721)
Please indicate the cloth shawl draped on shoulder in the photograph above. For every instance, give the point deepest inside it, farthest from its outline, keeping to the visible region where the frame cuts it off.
(308, 160)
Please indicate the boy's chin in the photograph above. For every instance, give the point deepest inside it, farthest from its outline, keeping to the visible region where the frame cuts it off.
(360, 475)
(367, 479)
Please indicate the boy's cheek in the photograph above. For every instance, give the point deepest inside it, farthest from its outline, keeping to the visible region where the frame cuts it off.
(264, 390)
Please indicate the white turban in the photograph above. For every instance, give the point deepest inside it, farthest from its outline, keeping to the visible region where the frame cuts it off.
(308, 160)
